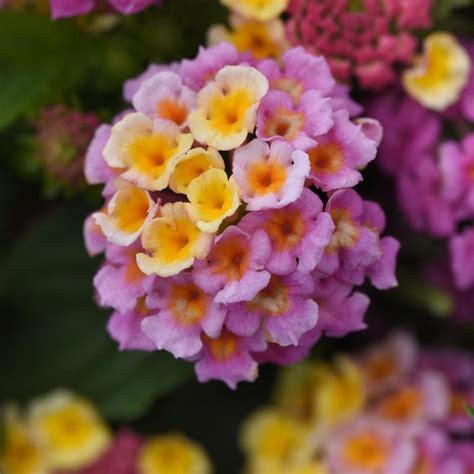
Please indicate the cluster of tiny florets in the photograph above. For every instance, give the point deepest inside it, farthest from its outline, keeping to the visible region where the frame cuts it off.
(364, 39)
(230, 227)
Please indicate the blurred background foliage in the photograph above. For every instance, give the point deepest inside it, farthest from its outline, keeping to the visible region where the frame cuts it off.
(52, 333)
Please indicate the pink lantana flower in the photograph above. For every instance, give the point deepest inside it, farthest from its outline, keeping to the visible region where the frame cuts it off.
(269, 176)
(182, 313)
(340, 154)
(119, 283)
(234, 270)
(126, 328)
(228, 358)
(164, 96)
(300, 125)
(457, 170)
(298, 232)
(461, 248)
(283, 310)
(340, 310)
(299, 73)
(353, 246)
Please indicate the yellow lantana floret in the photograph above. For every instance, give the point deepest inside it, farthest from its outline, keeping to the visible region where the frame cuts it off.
(213, 197)
(340, 394)
(20, 453)
(227, 107)
(173, 454)
(172, 241)
(191, 165)
(273, 439)
(69, 429)
(147, 150)
(262, 39)
(440, 74)
(262, 10)
(126, 214)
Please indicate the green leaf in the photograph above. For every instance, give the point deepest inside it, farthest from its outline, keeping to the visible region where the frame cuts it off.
(443, 8)
(470, 410)
(55, 335)
(39, 60)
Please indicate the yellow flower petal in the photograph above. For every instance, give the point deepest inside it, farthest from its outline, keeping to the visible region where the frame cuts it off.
(262, 10)
(20, 453)
(262, 39)
(146, 150)
(213, 197)
(440, 74)
(275, 438)
(173, 454)
(173, 241)
(191, 165)
(127, 212)
(69, 429)
(227, 107)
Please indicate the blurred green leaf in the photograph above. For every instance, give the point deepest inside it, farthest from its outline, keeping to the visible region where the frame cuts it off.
(39, 60)
(470, 411)
(55, 336)
(443, 8)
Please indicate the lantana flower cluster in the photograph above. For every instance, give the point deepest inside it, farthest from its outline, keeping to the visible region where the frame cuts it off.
(231, 231)
(363, 39)
(62, 433)
(393, 408)
(434, 177)
(67, 8)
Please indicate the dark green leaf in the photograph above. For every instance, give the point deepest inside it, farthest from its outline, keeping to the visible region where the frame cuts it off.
(39, 59)
(54, 334)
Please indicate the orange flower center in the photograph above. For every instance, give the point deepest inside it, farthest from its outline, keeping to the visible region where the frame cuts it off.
(285, 229)
(326, 158)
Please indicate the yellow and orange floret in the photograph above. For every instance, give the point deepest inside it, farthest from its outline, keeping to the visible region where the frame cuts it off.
(154, 155)
(255, 28)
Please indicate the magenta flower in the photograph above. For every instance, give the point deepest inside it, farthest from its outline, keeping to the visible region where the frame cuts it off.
(457, 170)
(420, 196)
(279, 118)
(299, 73)
(436, 454)
(461, 247)
(298, 232)
(353, 246)
(340, 310)
(404, 140)
(340, 154)
(283, 310)
(119, 283)
(269, 176)
(126, 328)
(228, 358)
(234, 270)
(182, 312)
(66, 8)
